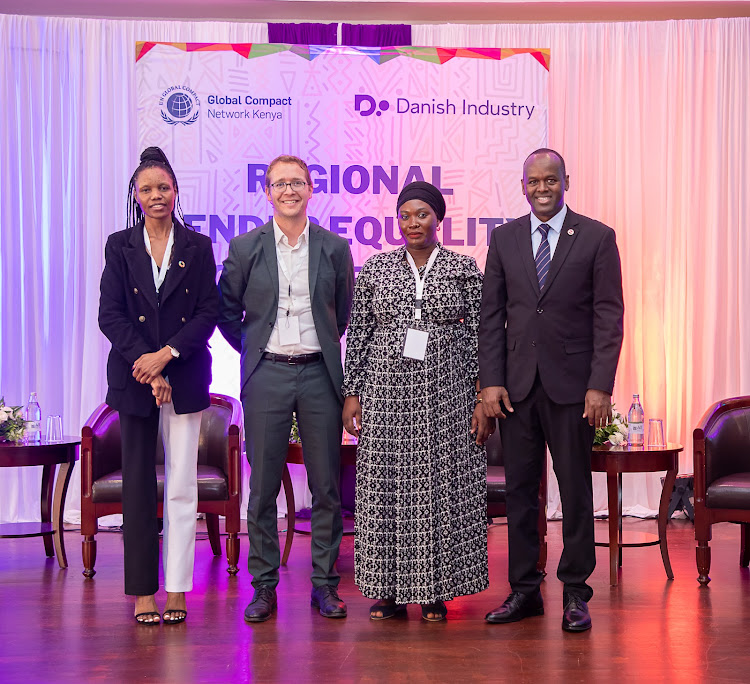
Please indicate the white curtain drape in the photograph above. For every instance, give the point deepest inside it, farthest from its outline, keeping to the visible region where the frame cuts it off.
(651, 118)
(67, 148)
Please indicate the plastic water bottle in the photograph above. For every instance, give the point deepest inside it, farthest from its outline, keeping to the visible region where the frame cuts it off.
(635, 422)
(33, 416)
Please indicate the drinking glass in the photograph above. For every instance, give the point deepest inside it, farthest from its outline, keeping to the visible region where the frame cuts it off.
(656, 432)
(54, 429)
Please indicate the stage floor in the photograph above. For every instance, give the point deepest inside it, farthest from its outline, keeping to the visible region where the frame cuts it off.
(57, 626)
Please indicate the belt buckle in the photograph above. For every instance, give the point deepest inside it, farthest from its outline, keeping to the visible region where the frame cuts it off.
(290, 360)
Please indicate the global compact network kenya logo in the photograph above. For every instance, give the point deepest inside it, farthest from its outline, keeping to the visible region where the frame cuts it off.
(179, 105)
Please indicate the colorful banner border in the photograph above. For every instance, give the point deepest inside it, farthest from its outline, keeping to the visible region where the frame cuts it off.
(435, 55)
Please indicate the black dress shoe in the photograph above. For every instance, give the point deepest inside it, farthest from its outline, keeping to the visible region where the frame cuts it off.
(576, 616)
(262, 606)
(326, 598)
(517, 607)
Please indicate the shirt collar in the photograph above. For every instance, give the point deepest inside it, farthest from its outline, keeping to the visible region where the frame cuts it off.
(280, 238)
(555, 223)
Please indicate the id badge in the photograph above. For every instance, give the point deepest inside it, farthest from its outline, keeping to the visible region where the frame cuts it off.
(289, 330)
(415, 344)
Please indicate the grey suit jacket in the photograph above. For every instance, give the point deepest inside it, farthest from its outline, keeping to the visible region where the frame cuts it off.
(249, 295)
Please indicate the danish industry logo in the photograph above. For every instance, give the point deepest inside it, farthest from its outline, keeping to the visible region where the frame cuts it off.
(179, 105)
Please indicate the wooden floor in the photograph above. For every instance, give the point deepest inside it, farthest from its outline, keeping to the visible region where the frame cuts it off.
(58, 627)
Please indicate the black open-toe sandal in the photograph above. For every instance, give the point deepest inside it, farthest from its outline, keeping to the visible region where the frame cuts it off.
(438, 610)
(177, 616)
(145, 615)
(388, 609)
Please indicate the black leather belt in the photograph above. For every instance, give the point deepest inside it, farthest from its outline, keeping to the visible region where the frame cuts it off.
(293, 360)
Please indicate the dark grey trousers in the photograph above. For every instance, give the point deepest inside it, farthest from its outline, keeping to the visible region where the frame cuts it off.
(269, 397)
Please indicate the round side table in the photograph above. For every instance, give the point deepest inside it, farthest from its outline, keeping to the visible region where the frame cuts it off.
(616, 460)
(49, 455)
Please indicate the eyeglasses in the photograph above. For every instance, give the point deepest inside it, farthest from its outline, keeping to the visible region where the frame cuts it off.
(295, 185)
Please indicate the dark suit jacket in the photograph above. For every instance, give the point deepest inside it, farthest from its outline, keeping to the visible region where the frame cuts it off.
(249, 284)
(135, 323)
(571, 333)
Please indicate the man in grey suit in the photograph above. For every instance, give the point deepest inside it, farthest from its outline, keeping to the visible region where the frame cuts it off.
(549, 341)
(286, 291)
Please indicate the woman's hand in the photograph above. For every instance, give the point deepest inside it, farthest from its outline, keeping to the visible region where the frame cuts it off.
(148, 366)
(162, 390)
(352, 415)
(481, 426)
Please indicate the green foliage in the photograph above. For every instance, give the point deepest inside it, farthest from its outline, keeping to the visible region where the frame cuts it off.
(615, 432)
(12, 424)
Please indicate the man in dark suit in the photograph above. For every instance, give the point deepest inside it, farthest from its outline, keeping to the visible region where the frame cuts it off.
(286, 291)
(549, 343)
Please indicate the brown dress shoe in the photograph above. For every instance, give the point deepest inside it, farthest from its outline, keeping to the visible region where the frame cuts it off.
(517, 607)
(326, 598)
(262, 606)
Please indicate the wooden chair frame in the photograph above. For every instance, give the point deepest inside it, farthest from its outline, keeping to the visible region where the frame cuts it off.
(706, 516)
(229, 508)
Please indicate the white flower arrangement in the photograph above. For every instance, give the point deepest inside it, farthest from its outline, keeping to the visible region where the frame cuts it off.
(12, 424)
(615, 432)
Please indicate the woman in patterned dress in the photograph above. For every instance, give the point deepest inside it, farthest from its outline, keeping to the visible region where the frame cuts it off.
(410, 385)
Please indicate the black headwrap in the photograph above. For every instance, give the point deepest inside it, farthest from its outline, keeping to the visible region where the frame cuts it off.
(425, 192)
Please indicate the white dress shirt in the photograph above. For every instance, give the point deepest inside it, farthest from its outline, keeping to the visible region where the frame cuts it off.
(294, 293)
(553, 234)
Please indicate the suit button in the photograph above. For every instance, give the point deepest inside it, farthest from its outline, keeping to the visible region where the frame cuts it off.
(270, 325)
(260, 349)
(533, 344)
(142, 319)
(540, 310)
(135, 290)
(187, 291)
(184, 320)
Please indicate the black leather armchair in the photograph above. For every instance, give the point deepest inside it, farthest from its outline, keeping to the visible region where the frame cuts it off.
(219, 477)
(721, 461)
(496, 490)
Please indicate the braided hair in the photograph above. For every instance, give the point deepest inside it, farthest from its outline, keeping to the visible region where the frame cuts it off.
(151, 157)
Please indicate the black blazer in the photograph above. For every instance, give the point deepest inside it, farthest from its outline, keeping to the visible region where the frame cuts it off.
(249, 291)
(135, 323)
(571, 333)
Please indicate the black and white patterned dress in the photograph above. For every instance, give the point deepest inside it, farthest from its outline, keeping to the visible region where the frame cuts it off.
(421, 532)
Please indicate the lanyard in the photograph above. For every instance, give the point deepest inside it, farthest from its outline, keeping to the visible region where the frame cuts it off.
(420, 281)
(287, 269)
(159, 273)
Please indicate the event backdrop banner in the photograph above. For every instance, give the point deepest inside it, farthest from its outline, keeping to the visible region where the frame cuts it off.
(366, 120)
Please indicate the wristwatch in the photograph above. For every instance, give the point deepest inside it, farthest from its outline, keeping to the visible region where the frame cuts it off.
(175, 353)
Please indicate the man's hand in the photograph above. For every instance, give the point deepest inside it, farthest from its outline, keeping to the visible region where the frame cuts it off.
(162, 390)
(598, 408)
(481, 425)
(491, 402)
(352, 415)
(148, 366)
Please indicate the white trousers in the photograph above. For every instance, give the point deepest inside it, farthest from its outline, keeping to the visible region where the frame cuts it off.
(180, 434)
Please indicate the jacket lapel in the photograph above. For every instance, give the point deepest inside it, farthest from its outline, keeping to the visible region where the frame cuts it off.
(268, 241)
(568, 235)
(183, 256)
(139, 263)
(314, 249)
(523, 237)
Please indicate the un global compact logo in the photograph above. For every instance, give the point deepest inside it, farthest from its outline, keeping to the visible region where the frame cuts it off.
(179, 105)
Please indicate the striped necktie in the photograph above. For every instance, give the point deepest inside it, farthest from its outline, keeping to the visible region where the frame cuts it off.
(543, 256)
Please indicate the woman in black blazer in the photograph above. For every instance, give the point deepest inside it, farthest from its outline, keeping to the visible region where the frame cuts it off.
(158, 308)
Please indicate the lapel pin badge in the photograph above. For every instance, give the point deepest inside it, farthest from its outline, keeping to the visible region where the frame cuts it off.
(182, 264)
(570, 232)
